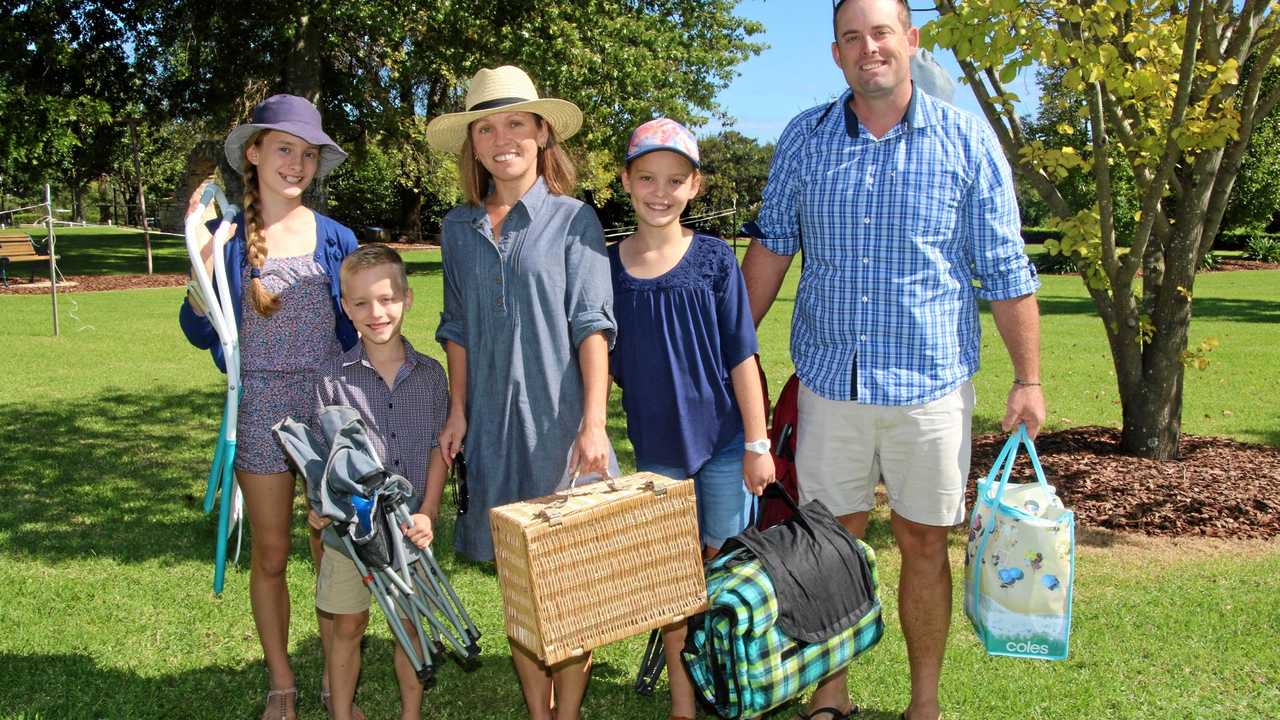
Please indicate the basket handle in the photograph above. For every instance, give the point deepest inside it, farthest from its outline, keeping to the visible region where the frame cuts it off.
(554, 511)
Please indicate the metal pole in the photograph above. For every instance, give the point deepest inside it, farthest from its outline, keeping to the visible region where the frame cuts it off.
(53, 263)
(733, 222)
(142, 202)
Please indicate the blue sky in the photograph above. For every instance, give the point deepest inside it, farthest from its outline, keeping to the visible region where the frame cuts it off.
(796, 72)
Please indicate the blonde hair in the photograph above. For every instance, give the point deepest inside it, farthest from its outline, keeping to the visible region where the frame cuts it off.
(264, 302)
(554, 166)
(374, 255)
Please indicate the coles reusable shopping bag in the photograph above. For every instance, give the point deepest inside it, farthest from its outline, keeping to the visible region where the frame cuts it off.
(1020, 561)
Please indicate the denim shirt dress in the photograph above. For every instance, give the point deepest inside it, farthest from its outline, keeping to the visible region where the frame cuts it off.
(521, 304)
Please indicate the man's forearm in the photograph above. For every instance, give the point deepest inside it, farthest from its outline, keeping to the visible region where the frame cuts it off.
(763, 272)
(1018, 321)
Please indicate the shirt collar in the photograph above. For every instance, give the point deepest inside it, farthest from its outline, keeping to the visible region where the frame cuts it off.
(919, 112)
(357, 354)
(533, 200)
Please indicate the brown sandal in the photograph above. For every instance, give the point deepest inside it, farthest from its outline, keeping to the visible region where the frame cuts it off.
(281, 704)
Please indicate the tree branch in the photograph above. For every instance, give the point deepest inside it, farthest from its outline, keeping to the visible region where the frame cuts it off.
(1248, 19)
(1102, 175)
(1155, 190)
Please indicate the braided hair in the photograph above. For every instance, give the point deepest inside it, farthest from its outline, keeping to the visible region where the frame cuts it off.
(265, 303)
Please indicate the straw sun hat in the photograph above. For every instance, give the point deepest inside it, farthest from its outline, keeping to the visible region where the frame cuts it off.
(503, 89)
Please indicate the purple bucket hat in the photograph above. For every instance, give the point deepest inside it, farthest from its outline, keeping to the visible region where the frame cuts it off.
(290, 114)
(663, 134)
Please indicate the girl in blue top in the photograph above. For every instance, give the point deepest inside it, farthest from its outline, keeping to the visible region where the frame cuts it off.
(685, 355)
(282, 266)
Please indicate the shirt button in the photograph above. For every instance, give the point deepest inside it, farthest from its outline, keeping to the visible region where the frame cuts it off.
(391, 406)
(863, 338)
(866, 221)
(864, 299)
(397, 463)
(866, 260)
(393, 435)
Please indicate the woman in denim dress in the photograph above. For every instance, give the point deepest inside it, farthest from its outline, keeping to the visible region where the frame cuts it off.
(527, 325)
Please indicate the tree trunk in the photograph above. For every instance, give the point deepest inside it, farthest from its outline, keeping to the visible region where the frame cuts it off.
(1150, 371)
(77, 201)
(1152, 410)
(410, 215)
(302, 67)
(202, 163)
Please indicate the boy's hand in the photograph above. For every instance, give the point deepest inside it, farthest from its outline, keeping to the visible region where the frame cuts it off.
(420, 534)
(451, 435)
(318, 521)
(757, 471)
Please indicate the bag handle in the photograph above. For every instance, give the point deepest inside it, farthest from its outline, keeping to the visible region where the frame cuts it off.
(775, 488)
(1006, 460)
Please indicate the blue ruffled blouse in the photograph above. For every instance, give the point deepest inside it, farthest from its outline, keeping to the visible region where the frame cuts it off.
(679, 336)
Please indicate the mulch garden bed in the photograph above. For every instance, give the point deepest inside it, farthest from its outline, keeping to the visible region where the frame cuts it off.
(95, 283)
(1218, 488)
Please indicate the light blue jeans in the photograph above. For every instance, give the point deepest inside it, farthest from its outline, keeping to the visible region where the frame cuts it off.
(725, 508)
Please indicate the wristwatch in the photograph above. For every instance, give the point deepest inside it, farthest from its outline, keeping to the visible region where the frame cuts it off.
(759, 447)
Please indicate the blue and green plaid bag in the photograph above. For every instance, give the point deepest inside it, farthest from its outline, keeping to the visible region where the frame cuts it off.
(742, 663)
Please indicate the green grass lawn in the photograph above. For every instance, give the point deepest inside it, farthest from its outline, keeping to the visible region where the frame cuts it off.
(106, 433)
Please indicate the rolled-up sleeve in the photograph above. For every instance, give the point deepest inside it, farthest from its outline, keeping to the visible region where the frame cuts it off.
(588, 287)
(993, 227)
(453, 327)
(777, 226)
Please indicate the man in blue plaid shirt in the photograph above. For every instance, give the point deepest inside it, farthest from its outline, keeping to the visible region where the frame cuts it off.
(905, 211)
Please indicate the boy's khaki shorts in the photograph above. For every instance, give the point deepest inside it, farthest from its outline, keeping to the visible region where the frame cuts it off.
(922, 451)
(339, 588)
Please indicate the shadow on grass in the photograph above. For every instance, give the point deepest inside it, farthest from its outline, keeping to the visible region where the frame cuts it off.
(421, 263)
(75, 686)
(118, 474)
(1230, 310)
(114, 252)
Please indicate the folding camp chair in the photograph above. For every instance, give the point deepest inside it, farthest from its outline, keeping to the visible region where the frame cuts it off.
(220, 309)
(347, 483)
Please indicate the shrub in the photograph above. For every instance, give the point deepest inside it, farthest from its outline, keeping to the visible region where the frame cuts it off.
(1263, 247)
(1210, 261)
(1037, 235)
(1056, 264)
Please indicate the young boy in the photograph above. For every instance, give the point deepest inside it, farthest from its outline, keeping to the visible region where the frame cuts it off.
(403, 397)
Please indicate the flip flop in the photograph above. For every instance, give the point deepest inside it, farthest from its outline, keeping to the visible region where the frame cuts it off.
(835, 713)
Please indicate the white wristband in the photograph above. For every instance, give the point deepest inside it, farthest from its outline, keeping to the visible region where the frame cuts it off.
(759, 447)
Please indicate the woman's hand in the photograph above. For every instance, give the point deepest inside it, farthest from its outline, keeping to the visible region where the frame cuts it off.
(757, 471)
(590, 450)
(451, 436)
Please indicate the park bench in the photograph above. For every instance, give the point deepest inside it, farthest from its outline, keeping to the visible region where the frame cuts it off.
(16, 247)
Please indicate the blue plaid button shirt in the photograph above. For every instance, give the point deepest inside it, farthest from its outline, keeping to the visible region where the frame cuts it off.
(895, 233)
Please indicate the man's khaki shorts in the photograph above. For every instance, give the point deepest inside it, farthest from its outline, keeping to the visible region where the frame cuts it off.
(922, 452)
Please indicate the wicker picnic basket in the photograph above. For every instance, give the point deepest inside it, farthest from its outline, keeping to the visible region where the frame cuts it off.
(598, 563)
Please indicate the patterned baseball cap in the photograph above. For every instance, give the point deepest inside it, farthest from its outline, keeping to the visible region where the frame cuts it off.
(663, 134)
